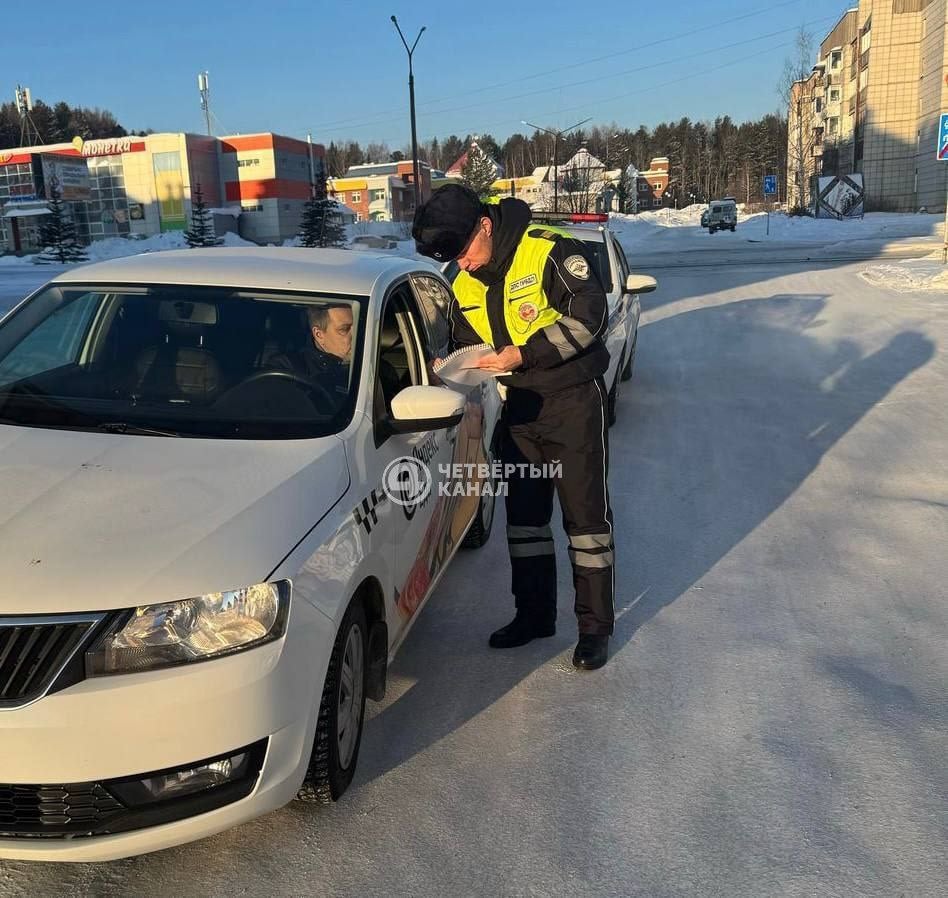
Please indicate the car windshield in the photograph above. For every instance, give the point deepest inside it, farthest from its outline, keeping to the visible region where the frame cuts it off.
(181, 361)
(596, 250)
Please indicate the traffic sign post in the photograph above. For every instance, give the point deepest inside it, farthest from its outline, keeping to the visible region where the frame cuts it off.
(941, 153)
(770, 188)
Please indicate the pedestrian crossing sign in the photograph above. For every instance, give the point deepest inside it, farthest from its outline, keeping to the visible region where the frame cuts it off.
(943, 138)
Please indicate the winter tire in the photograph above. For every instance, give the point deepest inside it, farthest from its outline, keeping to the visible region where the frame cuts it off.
(479, 532)
(341, 713)
(627, 370)
(611, 401)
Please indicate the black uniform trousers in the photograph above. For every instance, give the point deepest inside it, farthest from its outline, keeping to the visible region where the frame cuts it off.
(568, 427)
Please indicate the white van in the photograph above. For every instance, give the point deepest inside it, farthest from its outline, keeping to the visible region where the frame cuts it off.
(721, 215)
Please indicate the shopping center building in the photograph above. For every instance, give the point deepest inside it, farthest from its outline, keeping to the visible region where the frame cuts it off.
(133, 187)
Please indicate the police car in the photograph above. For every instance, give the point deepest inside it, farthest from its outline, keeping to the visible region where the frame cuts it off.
(622, 291)
(209, 557)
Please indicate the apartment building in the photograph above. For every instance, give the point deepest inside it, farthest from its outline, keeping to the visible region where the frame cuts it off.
(383, 191)
(872, 104)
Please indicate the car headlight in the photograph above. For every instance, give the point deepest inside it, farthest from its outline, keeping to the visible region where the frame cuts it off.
(198, 629)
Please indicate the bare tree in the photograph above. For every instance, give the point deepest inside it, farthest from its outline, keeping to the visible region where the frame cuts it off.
(796, 89)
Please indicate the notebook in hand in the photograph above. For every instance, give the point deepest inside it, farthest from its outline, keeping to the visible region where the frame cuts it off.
(459, 370)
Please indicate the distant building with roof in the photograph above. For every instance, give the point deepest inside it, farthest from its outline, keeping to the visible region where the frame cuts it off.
(456, 171)
(381, 191)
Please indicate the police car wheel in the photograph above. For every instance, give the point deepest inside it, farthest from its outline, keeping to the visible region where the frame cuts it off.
(612, 400)
(479, 532)
(627, 370)
(338, 736)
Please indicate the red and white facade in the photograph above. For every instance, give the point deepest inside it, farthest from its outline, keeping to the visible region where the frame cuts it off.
(129, 186)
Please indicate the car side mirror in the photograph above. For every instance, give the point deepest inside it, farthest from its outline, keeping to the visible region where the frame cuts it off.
(640, 283)
(425, 408)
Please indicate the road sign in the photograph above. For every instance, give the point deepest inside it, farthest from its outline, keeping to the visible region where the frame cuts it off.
(942, 148)
(770, 184)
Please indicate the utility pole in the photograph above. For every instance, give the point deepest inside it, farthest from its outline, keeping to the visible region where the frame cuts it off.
(411, 101)
(312, 165)
(556, 136)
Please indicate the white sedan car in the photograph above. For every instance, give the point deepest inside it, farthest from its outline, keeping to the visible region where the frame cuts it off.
(214, 533)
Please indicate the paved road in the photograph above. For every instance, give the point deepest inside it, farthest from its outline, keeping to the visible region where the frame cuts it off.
(774, 719)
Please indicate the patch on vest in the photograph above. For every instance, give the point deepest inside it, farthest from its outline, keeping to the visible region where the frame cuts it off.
(578, 267)
(528, 311)
(529, 281)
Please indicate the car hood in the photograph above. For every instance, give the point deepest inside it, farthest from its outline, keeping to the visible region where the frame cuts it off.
(93, 522)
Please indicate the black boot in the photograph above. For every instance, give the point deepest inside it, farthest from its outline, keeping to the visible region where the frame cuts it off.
(591, 651)
(521, 630)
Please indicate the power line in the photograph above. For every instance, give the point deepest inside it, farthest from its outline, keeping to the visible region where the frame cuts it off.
(592, 61)
(665, 62)
(642, 90)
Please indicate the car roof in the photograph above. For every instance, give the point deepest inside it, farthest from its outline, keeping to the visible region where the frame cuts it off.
(262, 268)
(594, 234)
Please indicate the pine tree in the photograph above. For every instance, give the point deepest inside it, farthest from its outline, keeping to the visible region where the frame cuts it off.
(479, 171)
(321, 224)
(202, 231)
(58, 232)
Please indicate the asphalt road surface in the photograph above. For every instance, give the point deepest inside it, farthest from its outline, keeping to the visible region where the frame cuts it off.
(774, 719)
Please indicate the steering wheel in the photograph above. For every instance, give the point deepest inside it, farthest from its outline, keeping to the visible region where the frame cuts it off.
(321, 396)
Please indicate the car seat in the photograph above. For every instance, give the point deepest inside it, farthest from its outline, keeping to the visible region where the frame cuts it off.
(181, 366)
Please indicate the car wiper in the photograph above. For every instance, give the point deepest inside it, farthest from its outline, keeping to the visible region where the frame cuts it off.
(125, 427)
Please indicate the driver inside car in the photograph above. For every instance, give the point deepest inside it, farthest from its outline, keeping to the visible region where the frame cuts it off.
(326, 357)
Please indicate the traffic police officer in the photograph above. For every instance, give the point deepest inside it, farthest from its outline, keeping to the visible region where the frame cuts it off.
(532, 293)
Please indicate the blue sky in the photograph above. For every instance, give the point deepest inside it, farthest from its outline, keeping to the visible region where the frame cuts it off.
(339, 70)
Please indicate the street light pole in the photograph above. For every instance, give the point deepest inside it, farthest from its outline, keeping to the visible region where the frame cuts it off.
(411, 100)
(556, 136)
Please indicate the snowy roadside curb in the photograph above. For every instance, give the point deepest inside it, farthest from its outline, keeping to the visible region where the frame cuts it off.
(928, 275)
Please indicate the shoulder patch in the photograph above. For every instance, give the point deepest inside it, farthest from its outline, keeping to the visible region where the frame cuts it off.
(543, 234)
(578, 267)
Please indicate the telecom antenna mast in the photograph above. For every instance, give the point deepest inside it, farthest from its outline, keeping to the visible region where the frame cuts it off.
(24, 108)
(204, 88)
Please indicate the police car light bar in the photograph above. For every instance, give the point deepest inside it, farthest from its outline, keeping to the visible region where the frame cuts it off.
(574, 217)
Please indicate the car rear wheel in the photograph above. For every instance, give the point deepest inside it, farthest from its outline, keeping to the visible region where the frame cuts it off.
(335, 752)
(479, 531)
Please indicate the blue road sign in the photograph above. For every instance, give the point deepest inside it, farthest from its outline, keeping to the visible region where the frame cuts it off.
(942, 150)
(770, 185)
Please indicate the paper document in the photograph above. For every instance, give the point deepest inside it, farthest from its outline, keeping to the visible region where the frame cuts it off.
(459, 370)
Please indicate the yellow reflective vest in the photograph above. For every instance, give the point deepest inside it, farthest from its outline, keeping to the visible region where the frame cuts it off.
(526, 306)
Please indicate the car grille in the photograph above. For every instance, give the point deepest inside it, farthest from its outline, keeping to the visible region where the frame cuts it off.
(55, 810)
(34, 651)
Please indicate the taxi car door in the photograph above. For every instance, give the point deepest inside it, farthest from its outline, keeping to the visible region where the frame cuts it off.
(422, 539)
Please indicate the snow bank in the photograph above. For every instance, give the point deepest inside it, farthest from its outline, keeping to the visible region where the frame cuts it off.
(119, 247)
(928, 275)
(677, 226)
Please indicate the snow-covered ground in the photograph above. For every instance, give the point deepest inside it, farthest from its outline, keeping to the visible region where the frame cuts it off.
(928, 275)
(681, 228)
(773, 719)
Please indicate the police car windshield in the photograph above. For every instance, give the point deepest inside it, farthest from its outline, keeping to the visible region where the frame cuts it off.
(596, 250)
(181, 361)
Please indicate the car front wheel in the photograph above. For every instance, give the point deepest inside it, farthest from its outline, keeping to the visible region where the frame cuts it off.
(627, 370)
(612, 400)
(341, 713)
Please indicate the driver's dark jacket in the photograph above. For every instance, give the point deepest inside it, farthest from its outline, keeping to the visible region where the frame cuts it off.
(328, 371)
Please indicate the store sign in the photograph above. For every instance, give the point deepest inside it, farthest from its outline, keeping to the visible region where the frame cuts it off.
(107, 146)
